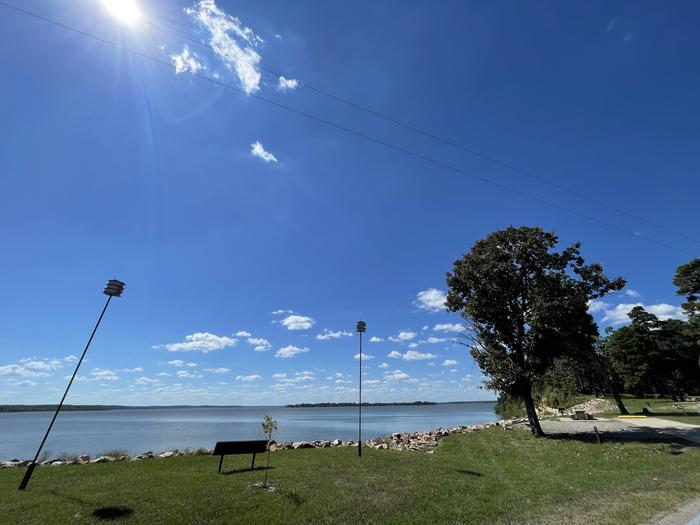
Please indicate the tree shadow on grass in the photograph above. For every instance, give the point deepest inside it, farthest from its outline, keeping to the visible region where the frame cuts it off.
(112, 513)
(642, 435)
(242, 470)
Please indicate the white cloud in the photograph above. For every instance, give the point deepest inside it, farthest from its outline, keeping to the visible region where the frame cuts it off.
(257, 150)
(431, 299)
(449, 362)
(394, 354)
(233, 42)
(375, 339)
(279, 376)
(220, 370)
(371, 381)
(131, 370)
(403, 336)
(396, 375)
(384, 365)
(617, 315)
(185, 373)
(103, 374)
(287, 84)
(290, 351)
(260, 344)
(70, 359)
(632, 293)
(611, 24)
(327, 335)
(146, 381)
(249, 379)
(449, 327)
(163, 374)
(185, 62)
(298, 322)
(243, 333)
(180, 363)
(365, 357)
(17, 370)
(434, 340)
(413, 355)
(24, 382)
(282, 312)
(200, 342)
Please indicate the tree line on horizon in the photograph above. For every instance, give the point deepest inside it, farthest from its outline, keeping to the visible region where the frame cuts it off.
(532, 335)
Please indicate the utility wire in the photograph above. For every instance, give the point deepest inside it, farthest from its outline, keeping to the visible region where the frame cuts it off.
(445, 141)
(351, 131)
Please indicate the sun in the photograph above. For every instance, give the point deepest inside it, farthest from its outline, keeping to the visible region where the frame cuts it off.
(125, 10)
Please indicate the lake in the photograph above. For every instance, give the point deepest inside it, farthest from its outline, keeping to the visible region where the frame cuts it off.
(158, 429)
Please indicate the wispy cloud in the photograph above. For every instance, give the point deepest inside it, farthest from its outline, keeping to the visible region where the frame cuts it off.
(180, 363)
(290, 351)
(199, 342)
(396, 375)
(449, 362)
(412, 355)
(186, 62)
(612, 23)
(220, 370)
(257, 150)
(298, 322)
(260, 344)
(243, 333)
(249, 379)
(365, 357)
(432, 300)
(103, 374)
(232, 42)
(328, 334)
(449, 327)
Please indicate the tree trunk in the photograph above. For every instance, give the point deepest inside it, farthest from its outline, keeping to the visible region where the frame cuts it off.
(618, 400)
(530, 408)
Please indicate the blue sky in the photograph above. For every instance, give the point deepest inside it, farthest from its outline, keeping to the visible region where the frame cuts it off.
(252, 238)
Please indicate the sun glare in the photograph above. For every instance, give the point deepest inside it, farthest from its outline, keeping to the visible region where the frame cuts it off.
(125, 10)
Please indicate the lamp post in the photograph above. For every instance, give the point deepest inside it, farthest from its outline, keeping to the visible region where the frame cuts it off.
(114, 288)
(360, 328)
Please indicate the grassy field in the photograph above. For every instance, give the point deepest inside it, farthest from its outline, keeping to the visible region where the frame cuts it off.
(663, 408)
(490, 476)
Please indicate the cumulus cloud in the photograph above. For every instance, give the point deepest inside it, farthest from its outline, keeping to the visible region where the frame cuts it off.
(232, 42)
(632, 293)
(434, 340)
(411, 355)
(383, 365)
(17, 370)
(279, 376)
(103, 374)
(287, 84)
(432, 300)
(298, 322)
(449, 362)
(449, 327)
(257, 150)
(180, 363)
(617, 315)
(249, 379)
(375, 339)
(282, 312)
(200, 342)
(403, 336)
(290, 351)
(131, 370)
(365, 357)
(186, 62)
(220, 370)
(187, 374)
(396, 375)
(146, 381)
(243, 333)
(260, 344)
(328, 334)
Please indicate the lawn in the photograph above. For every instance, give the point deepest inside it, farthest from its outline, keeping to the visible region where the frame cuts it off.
(663, 408)
(489, 476)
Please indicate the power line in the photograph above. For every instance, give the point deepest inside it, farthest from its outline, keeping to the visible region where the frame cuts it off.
(351, 131)
(447, 142)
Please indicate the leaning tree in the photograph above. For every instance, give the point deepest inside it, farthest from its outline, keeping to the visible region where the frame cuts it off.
(525, 304)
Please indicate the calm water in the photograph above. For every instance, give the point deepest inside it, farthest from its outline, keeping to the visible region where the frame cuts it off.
(139, 430)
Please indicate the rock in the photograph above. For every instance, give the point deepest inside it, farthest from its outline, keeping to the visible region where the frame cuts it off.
(57, 463)
(103, 459)
(202, 452)
(83, 458)
(336, 443)
(167, 454)
(302, 444)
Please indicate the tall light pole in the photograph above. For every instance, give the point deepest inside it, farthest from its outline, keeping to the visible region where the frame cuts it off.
(360, 328)
(114, 288)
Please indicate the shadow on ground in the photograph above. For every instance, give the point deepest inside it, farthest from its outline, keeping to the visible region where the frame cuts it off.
(112, 513)
(242, 470)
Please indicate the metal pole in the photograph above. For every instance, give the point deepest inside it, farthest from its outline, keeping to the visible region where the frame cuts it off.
(32, 465)
(359, 421)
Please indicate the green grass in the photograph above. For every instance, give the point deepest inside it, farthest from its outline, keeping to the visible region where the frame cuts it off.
(663, 408)
(490, 476)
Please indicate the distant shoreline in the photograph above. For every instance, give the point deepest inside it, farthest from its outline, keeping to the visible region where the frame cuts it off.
(84, 408)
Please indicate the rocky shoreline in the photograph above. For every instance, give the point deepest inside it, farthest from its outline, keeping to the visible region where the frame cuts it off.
(404, 441)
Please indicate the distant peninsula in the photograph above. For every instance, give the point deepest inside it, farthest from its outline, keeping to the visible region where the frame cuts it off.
(334, 405)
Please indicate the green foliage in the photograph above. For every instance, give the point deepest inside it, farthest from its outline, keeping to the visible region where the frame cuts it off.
(687, 280)
(269, 425)
(526, 304)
